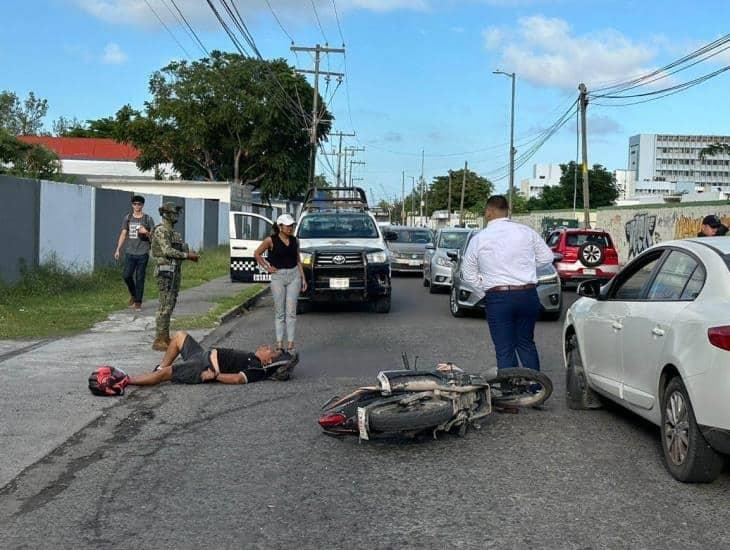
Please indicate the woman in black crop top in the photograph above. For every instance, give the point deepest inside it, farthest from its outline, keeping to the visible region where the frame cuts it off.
(287, 277)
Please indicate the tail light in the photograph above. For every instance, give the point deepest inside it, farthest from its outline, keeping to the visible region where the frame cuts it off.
(719, 337)
(330, 420)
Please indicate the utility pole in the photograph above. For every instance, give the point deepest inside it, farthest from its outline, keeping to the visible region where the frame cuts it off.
(315, 107)
(423, 154)
(512, 150)
(351, 163)
(449, 203)
(339, 152)
(403, 198)
(583, 103)
(413, 199)
(463, 188)
(352, 150)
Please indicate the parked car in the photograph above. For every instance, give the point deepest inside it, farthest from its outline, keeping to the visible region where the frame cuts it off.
(464, 297)
(587, 254)
(436, 262)
(656, 340)
(408, 248)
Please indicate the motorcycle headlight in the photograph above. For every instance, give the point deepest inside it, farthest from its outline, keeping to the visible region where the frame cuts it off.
(379, 257)
(443, 262)
(306, 258)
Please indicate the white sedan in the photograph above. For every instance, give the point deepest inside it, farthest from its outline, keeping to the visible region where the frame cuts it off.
(656, 340)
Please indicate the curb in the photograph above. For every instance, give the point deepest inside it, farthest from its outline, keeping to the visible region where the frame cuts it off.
(248, 304)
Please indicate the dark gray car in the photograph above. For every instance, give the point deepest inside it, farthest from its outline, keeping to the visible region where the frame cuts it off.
(465, 298)
(407, 250)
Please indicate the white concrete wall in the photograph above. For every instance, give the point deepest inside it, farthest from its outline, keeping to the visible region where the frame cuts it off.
(177, 188)
(103, 168)
(66, 229)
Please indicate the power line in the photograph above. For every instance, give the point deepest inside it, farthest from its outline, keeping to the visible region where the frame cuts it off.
(319, 23)
(190, 28)
(337, 18)
(167, 29)
(276, 17)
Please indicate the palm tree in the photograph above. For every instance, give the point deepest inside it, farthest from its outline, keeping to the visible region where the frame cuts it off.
(714, 149)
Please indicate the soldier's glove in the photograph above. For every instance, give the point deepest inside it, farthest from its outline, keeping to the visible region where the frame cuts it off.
(193, 257)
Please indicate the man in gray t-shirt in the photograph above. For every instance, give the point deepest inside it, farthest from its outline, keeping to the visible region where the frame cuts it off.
(135, 237)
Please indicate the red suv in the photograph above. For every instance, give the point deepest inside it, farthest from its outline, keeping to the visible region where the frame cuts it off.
(587, 254)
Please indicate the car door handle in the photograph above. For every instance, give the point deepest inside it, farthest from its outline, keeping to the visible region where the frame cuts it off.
(240, 248)
(616, 325)
(656, 331)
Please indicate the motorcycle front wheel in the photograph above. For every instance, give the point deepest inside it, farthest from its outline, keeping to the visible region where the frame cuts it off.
(421, 415)
(520, 387)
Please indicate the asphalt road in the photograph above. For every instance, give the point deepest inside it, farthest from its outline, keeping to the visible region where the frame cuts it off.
(247, 467)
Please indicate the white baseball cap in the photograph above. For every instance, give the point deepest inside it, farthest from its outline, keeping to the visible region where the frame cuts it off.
(285, 219)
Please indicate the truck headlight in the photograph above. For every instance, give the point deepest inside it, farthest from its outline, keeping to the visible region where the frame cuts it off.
(306, 258)
(377, 257)
(443, 262)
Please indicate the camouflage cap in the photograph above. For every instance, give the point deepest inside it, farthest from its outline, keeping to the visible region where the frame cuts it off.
(170, 208)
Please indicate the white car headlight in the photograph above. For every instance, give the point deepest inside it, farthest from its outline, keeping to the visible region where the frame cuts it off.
(306, 258)
(379, 257)
(547, 279)
(443, 262)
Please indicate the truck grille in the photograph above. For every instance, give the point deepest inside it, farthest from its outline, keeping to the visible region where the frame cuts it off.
(339, 259)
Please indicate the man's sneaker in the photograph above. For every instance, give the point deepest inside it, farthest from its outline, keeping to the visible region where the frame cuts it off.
(288, 362)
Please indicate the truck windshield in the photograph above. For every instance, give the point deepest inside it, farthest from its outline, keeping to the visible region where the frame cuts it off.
(453, 239)
(421, 236)
(341, 226)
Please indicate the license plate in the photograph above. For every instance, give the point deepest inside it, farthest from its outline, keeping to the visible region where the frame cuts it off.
(339, 283)
(414, 262)
(362, 426)
(589, 271)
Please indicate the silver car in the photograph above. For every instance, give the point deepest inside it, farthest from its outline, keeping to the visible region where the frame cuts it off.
(406, 251)
(436, 263)
(464, 297)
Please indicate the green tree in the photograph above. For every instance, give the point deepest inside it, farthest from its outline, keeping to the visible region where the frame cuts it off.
(715, 149)
(27, 160)
(476, 192)
(601, 184)
(22, 118)
(227, 117)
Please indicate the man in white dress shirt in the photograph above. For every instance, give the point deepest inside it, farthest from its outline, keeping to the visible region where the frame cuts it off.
(502, 261)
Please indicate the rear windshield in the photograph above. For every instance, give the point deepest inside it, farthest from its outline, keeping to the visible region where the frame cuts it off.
(452, 239)
(420, 236)
(579, 239)
(343, 226)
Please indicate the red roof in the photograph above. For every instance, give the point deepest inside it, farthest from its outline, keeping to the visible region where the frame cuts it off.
(85, 148)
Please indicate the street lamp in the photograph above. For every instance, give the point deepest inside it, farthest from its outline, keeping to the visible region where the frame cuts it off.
(511, 142)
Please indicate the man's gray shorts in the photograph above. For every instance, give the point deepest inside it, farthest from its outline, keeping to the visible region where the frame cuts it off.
(195, 360)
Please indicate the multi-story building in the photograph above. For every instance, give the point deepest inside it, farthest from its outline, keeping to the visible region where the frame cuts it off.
(626, 183)
(666, 164)
(543, 175)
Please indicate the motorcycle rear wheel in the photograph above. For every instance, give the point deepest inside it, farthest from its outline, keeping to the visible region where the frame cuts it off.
(518, 387)
(395, 417)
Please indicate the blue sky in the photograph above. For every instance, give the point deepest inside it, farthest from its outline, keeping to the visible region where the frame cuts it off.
(419, 72)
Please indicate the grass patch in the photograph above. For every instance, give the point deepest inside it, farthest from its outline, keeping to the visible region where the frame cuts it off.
(54, 301)
(210, 319)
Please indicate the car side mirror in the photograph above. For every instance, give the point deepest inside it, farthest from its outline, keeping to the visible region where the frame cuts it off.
(557, 257)
(430, 246)
(452, 255)
(390, 236)
(590, 289)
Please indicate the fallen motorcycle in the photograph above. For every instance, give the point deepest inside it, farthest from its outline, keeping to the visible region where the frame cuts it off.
(411, 402)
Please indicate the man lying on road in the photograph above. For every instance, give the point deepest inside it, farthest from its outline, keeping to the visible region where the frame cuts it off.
(225, 365)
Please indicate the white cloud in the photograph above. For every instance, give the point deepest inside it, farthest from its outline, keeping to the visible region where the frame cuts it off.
(113, 54)
(199, 14)
(544, 51)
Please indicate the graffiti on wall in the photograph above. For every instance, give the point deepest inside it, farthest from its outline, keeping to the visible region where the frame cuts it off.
(689, 227)
(640, 233)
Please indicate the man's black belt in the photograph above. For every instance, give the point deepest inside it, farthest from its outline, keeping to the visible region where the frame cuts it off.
(505, 288)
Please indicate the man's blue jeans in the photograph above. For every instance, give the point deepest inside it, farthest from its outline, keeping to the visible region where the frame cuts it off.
(135, 267)
(511, 316)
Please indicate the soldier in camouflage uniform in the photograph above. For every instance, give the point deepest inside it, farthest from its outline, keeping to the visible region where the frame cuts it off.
(168, 252)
